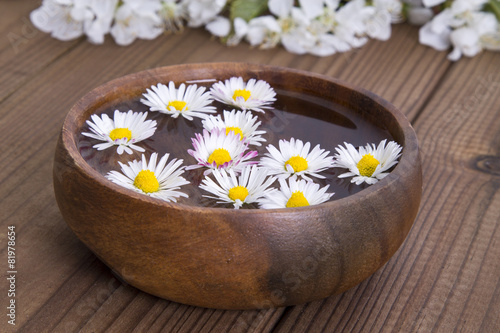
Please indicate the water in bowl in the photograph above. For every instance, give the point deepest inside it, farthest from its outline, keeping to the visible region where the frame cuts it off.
(303, 117)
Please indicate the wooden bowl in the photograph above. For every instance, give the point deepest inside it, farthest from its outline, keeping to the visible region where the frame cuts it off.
(238, 259)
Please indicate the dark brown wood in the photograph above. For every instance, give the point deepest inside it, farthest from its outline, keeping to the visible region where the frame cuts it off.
(222, 258)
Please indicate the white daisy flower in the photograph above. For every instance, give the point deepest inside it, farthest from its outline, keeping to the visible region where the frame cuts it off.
(298, 194)
(136, 19)
(294, 159)
(124, 131)
(249, 187)
(188, 102)
(216, 150)
(252, 95)
(240, 122)
(368, 163)
(156, 180)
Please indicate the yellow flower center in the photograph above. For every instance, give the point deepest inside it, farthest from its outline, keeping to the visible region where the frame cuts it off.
(241, 93)
(178, 105)
(298, 163)
(146, 181)
(367, 165)
(236, 131)
(120, 133)
(297, 200)
(286, 24)
(238, 192)
(220, 156)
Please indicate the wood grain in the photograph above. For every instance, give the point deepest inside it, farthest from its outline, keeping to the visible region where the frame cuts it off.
(445, 277)
(24, 50)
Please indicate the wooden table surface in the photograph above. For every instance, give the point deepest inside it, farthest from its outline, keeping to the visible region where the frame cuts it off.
(444, 278)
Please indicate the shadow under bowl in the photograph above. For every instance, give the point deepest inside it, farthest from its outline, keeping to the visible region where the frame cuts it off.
(247, 258)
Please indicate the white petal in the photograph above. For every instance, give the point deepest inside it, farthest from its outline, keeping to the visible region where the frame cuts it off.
(312, 8)
(219, 27)
(432, 3)
(240, 27)
(280, 8)
(428, 37)
(419, 15)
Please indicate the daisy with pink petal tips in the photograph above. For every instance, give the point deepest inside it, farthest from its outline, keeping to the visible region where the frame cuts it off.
(216, 150)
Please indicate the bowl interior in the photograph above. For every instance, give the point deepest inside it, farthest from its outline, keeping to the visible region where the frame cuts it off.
(309, 107)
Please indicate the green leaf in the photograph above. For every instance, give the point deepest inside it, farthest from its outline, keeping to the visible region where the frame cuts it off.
(494, 7)
(247, 9)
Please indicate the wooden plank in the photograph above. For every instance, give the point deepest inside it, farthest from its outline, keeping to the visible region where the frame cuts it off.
(460, 124)
(401, 70)
(13, 11)
(446, 275)
(77, 286)
(24, 50)
(29, 126)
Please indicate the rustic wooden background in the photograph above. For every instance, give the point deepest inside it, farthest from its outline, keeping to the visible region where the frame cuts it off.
(444, 278)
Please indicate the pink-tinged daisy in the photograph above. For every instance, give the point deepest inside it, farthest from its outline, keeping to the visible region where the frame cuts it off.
(160, 180)
(368, 164)
(240, 122)
(216, 150)
(188, 102)
(252, 95)
(123, 131)
(294, 159)
(249, 187)
(295, 193)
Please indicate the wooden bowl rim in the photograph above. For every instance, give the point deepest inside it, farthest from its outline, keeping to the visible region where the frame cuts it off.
(408, 157)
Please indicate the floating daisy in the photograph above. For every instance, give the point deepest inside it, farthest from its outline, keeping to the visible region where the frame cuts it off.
(298, 194)
(253, 95)
(239, 122)
(216, 150)
(156, 180)
(294, 159)
(123, 131)
(188, 102)
(249, 187)
(368, 163)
